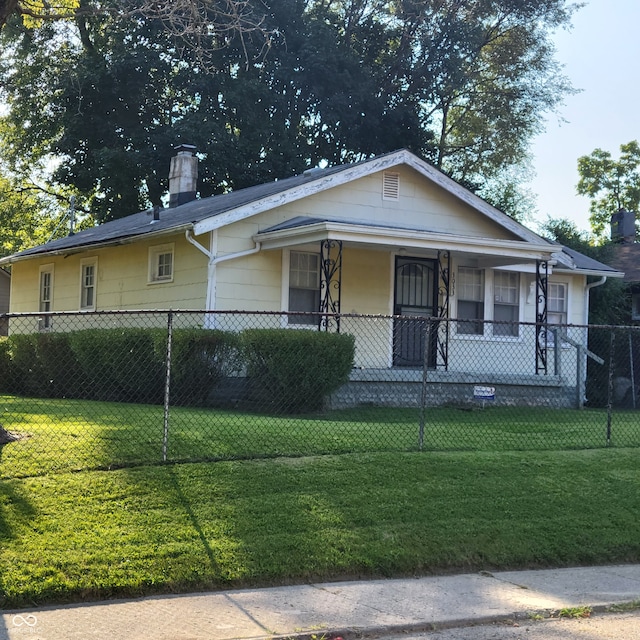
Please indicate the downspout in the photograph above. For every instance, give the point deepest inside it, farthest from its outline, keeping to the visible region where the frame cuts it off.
(213, 262)
(582, 352)
(588, 287)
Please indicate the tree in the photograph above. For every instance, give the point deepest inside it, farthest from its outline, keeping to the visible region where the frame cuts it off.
(610, 303)
(464, 85)
(610, 184)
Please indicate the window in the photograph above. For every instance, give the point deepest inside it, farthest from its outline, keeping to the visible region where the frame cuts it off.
(557, 303)
(161, 263)
(304, 286)
(45, 295)
(88, 273)
(470, 301)
(506, 303)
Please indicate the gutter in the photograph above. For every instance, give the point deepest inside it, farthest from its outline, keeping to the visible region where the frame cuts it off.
(213, 263)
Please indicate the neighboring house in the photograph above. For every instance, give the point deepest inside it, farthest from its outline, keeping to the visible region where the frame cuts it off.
(401, 239)
(626, 256)
(5, 289)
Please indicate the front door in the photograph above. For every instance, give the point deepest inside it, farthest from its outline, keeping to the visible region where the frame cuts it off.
(416, 294)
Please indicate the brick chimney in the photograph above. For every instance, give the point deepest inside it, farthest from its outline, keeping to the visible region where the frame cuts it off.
(183, 175)
(623, 227)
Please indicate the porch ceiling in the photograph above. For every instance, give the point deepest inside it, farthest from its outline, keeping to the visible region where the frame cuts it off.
(489, 251)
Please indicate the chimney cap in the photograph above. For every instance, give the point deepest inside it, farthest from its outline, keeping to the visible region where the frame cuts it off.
(186, 148)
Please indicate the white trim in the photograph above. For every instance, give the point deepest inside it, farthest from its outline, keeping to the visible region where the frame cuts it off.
(350, 173)
(409, 238)
(284, 291)
(154, 253)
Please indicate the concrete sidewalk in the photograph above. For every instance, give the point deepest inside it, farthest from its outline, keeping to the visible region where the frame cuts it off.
(347, 609)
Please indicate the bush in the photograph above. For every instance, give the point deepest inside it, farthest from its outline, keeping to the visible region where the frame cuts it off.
(294, 371)
(42, 364)
(120, 365)
(5, 365)
(200, 358)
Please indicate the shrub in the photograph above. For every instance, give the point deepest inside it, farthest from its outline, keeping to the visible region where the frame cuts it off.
(42, 364)
(120, 365)
(5, 365)
(200, 358)
(293, 371)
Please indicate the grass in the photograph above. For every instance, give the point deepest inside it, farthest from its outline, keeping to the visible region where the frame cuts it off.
(71, 435)
(134, 531)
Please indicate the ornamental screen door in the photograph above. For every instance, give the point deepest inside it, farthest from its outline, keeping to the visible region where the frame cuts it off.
(416, 294)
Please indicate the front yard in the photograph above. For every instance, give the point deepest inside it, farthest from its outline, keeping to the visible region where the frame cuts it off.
(134, 531)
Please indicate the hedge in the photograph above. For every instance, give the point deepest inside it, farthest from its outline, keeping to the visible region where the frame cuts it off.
(294, 371)
(289, 371)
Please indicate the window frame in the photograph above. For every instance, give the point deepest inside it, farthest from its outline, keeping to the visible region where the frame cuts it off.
(44, 323)
(307, 322)
(88, 262)
(155, 254)
(516, 307)
(480, 303)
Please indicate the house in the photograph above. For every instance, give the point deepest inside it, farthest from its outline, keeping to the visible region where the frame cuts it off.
(390, 237)
(5, 288)
(626, 256)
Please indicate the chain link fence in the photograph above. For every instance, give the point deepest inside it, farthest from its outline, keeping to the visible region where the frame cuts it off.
(103, 390)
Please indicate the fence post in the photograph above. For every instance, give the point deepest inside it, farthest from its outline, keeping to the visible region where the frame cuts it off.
(423, 396)
(610, 390)
(167, 386)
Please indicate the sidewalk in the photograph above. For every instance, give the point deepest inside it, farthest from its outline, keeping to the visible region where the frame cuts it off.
(347, 609)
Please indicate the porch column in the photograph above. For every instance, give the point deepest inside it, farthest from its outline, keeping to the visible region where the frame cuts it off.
(330, 283)
(542, 331)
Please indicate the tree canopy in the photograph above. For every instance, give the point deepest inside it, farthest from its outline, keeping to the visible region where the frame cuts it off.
(463, 84)
(610, 184)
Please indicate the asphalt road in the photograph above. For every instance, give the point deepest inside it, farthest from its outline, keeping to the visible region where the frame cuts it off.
(609, 626)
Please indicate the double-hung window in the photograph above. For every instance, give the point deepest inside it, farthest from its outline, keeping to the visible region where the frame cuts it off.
(45, 295)
(557, 303)
(470, 288)
(304, 286)
(88, 275)
(506, 305)
(161, 263)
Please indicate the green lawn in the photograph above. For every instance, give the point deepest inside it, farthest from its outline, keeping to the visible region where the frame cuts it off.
(135, 531)
(69, 435)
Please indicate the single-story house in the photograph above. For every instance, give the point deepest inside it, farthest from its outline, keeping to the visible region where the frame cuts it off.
(390, 236)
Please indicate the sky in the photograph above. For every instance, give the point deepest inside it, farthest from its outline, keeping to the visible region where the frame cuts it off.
(601, 57)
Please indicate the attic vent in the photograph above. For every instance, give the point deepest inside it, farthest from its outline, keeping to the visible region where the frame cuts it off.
(390, 186)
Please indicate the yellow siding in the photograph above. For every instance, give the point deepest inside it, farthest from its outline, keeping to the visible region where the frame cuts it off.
(122, 279)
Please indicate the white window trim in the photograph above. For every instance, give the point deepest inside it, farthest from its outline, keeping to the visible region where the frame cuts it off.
(284, 298)
(85, 263)
(567, 286)
(154, 253)
(521, 296)
(489, 288)
(44, 324)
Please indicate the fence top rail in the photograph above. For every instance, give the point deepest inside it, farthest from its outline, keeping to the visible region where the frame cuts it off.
(241, 312)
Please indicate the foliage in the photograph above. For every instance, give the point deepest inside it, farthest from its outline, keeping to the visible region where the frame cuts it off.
(25, 216)
(294, 371)
(610, 303)
(610, 184)
(465, 85)
(200, 358)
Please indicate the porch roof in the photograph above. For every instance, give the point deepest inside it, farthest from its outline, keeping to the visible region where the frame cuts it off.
(300, 231)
